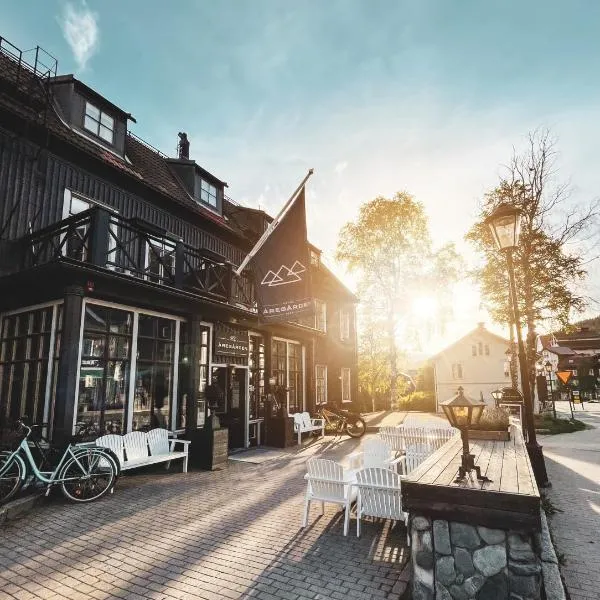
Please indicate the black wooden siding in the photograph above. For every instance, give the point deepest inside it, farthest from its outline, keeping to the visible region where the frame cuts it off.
(32, 186)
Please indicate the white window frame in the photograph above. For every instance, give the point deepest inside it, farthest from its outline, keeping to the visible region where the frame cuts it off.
(345, 371)
(344, 325)
(287, 370)
(320, 310)
(457, 371)
(99, 123)
(68, 196)
(211, 187)
(324, 378)
(162, 244)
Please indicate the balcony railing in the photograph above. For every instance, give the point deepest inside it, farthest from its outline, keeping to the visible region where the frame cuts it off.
(103, 239)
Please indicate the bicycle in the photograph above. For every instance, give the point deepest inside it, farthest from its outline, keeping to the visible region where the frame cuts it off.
(344, 421)
(85, 473)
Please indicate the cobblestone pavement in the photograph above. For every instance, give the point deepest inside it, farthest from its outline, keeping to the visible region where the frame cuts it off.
(573, 463)
(227, 534)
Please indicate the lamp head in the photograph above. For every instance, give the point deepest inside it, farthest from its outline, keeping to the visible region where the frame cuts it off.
(462, 412)
(497, 395)
(505, 224)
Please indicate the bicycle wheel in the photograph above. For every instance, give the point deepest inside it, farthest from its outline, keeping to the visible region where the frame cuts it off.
(12, 476)
(355, 426)
(87, 476)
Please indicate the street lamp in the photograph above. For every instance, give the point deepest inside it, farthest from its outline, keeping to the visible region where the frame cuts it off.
(497, 396)
(505, 225)
(548, 369)
(463, 413)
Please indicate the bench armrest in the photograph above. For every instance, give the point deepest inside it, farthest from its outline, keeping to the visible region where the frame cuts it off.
(318, 422)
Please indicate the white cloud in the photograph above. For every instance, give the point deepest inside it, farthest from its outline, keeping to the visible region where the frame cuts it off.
(80, 29)
(340, 167)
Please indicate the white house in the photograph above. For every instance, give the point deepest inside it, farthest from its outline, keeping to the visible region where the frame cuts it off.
(478, 362)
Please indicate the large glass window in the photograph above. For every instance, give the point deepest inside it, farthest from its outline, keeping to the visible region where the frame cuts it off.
(154, 373)
(256, 364)
(24, 364)
(104, 371)
(160, 261)
(287, 368)
(208, 193)
(321, 384)
(99, 123)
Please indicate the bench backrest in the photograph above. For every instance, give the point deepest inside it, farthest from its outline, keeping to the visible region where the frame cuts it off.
(136, 445)
(326, 478)
(416, 454)
(158, 441)
(114, 443)
(380, 494)
(306, 422)
(297, 421)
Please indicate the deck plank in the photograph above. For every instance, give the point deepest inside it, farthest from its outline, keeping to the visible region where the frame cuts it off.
(436, 464)
(510, 483)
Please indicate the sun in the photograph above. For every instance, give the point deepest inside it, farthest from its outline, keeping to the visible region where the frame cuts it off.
(425, 307)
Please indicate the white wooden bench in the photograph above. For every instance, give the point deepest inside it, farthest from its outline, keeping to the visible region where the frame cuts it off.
(140, 448)
(303, 424)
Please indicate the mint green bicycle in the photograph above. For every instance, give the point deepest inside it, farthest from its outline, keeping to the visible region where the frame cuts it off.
(84, 473)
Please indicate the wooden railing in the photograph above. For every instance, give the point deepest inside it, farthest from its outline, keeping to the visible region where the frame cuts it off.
(104, 239)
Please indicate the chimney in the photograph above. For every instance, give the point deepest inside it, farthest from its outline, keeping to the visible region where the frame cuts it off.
(183, 146)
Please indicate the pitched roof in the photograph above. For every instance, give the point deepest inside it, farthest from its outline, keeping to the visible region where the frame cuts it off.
(481, 330)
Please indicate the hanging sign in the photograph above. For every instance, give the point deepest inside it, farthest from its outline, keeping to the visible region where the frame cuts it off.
(564, 376)
(232, 343)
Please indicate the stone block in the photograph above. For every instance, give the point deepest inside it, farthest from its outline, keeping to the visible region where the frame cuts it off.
(464, 535)
(492, 536)
(441, 593)
(495, 588)
(490, 560)
(525, 585)
(426, 542)
(424, 558)
(463, 562)
(552, 582)
(421, 523)
(458, 592)
(441, 537)
(547, 551)
(519, 548)
(444, 570)
(473, 584)
(529, 568)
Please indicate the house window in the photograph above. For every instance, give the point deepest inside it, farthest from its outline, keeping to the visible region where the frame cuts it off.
(160, 261)
(457, 371)
(99, 123)
(480, 346)
(320, 315)
(287, 367)
(314, 259)
(346, 385)
(487, 350)
(474, 350)
(344, 325)
(321, 383)
(208, 193)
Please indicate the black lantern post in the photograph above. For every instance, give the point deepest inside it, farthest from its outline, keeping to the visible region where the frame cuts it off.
(497, 396)
(463, 413)
(548, 369)
(505, 225)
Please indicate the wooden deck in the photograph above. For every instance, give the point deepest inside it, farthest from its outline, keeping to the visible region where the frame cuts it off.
(511, 500)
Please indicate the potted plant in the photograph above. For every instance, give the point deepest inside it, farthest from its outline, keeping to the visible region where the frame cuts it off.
(493, 425)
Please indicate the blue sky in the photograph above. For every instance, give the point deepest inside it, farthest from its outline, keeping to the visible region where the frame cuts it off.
(377, 95)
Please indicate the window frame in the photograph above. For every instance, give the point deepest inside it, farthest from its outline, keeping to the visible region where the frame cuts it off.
(346, 371)
(457, 371)
(323, 378)
(321, 313)
(344, 325)
(166, 247)
(204, 181)
(100, 125)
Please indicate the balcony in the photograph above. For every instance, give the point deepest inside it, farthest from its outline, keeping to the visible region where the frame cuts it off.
(102, 239)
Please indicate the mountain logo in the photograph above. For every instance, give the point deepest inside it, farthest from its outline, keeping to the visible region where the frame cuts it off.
(284, 275)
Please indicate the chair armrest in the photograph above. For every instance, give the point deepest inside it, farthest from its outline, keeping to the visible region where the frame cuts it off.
(318, 422)
(185, 442)
(355, 459)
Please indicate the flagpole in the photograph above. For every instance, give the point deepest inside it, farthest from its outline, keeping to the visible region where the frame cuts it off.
(273, 224)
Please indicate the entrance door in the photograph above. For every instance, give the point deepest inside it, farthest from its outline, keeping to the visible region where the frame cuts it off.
(231, 404)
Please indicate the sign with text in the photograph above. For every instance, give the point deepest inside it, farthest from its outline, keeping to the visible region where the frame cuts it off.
(232, 343)
(564, 376)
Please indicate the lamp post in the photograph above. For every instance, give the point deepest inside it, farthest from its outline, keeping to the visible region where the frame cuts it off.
(505, 225)
(548, 369)
(462, 413)
(497, 396)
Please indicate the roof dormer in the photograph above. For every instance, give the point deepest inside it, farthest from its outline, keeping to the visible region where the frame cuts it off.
(90, 114)
(201, 185)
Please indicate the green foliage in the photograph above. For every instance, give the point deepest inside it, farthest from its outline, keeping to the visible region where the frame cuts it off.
(421, 401)
(548, 506)
(554, 426)
(493, 419)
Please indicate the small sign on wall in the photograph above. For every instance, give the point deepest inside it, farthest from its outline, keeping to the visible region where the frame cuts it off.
(231, 343)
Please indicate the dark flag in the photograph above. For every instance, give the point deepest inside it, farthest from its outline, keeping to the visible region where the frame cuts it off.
(281, 266)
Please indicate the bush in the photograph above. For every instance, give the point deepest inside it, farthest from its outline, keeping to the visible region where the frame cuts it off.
(421, 401)
(554, 426)
(492, 419)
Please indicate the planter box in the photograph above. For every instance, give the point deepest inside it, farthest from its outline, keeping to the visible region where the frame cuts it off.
(209, 448)
(481, 434)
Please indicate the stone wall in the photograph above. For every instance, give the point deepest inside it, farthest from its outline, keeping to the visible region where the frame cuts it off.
(458, 561)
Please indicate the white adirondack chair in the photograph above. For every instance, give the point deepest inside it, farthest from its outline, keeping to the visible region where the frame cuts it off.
(375, 453)
(379, 495)
(415, 454)
(327, 481)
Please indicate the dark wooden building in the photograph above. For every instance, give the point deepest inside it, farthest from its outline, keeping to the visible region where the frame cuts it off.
(118, 295)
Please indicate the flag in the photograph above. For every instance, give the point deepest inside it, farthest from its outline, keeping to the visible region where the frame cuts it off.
(281, 267)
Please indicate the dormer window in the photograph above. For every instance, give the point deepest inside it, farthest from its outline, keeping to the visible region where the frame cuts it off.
(208, 193)
(99, 123)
